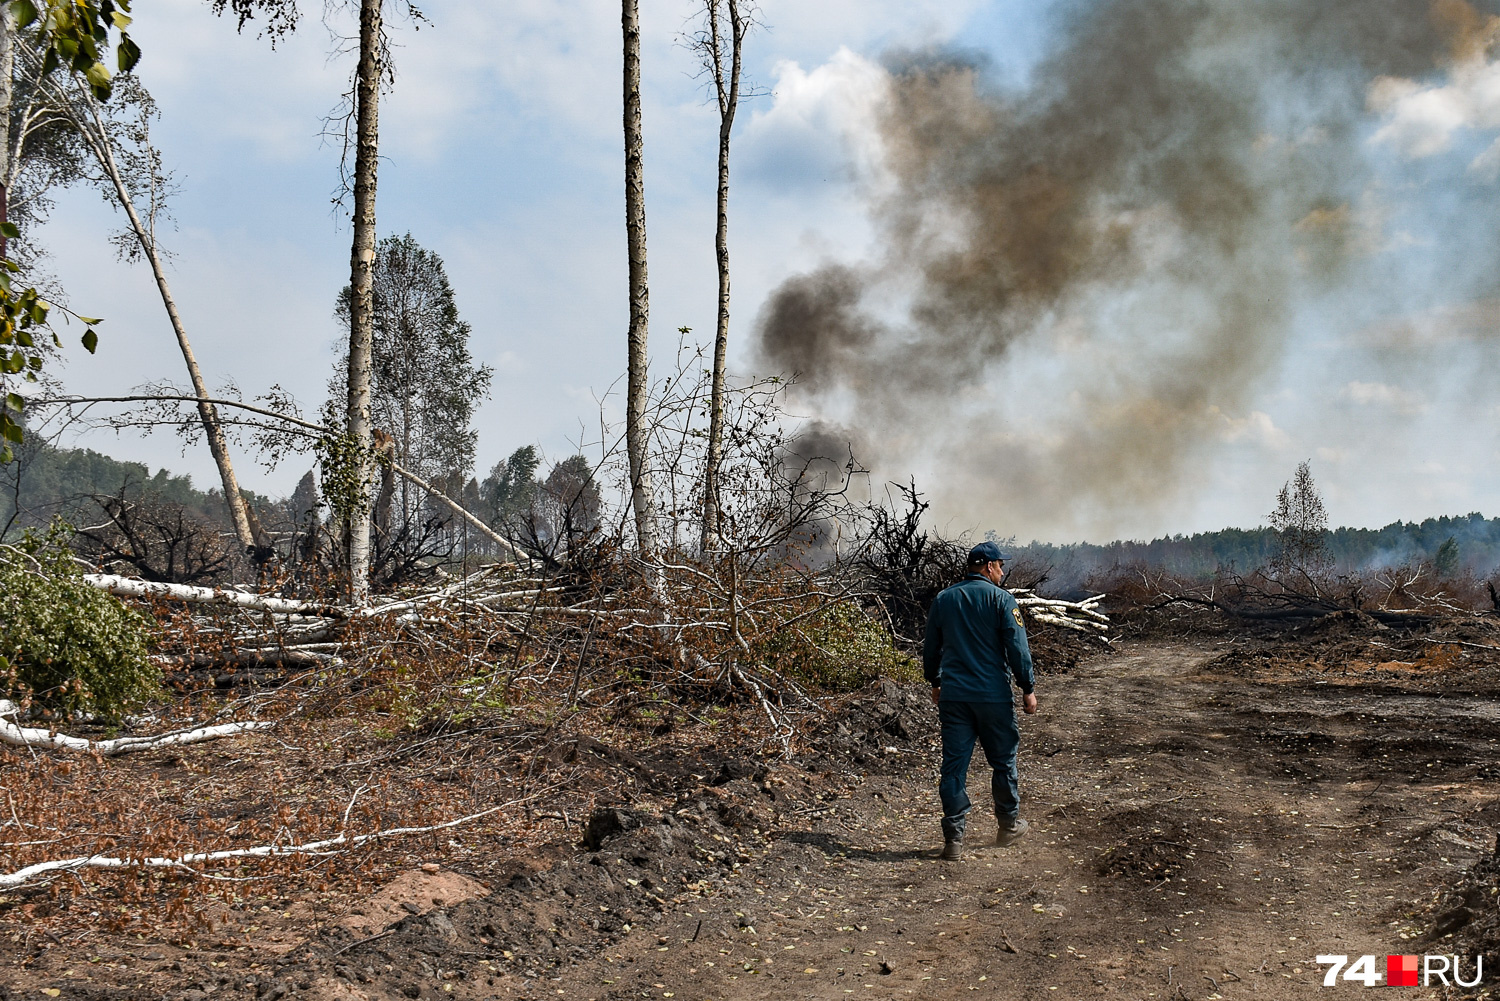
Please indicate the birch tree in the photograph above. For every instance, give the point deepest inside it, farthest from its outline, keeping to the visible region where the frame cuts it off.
(7, 90)
(131, 173)
(76, 35)
(637, 357)
(719, 45)
(1301, 524)
(425, 385)
(361, 286)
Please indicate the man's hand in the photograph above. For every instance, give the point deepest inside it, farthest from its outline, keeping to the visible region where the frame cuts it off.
(1028, 704)
(936, 690)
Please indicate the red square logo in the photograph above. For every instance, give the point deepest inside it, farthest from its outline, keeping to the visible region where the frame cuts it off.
(1401, 971)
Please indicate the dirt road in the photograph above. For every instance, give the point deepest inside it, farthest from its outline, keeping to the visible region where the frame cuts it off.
(1194, 837)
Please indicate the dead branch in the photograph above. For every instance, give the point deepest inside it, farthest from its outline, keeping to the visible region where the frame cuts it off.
(25, 736)
(326, 847)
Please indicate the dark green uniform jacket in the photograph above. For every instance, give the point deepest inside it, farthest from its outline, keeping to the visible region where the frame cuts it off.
(975, 641)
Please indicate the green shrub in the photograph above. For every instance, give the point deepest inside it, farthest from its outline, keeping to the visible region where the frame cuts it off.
(65, 644)
(838, 649)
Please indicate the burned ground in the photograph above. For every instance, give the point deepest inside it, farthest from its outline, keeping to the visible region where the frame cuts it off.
(1211, 811)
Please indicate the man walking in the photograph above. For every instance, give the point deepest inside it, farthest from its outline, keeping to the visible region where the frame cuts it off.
(975, 643)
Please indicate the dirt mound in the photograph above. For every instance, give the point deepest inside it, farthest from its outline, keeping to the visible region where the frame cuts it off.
(1156, 844)
(1466, 920)
(637, 865)
(1349, 622)
(873, 727)
(1057, 651)
(416, 892)
(1459, 653)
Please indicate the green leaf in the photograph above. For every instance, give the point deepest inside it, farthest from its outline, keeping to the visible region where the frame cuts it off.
(121, 20)
(90, 320)
(98, 76)
(10, 231)
(128, 53)
(15, 402)
(11, 431)
(25, 13)
(90, 340)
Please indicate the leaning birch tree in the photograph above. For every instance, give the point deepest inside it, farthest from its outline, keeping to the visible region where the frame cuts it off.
(75, 35)
(130, 172)
(719, 45)
(637, 358)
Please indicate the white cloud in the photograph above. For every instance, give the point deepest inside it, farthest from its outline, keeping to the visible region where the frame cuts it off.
(822, 123)
(1256, 428)
(1402, 402)
(1421, 120)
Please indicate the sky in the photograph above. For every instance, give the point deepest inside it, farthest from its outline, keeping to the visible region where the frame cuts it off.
(501, 152)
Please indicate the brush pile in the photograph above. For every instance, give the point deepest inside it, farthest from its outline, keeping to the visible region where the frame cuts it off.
(712, 628)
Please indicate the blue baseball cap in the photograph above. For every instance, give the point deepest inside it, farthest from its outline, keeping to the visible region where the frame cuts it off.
(987, 552)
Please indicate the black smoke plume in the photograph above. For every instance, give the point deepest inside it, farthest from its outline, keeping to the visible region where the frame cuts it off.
(1132, 229)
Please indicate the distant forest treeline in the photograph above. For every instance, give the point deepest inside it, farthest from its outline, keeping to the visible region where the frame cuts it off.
(161, 527)
(45, 482)
(1475, 550)
(68, 482)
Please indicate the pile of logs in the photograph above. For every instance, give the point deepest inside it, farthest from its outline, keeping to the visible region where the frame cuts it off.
(1080, 616)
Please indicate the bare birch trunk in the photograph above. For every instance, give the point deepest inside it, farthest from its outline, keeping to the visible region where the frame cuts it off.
(385, 449)
(7, 91)
(361, 283)
(635, 236)
(98, 138)
(729, 99)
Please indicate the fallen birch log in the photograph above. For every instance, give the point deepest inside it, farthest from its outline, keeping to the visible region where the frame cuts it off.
(251, 657)
(1079, 616)
(32, 736)
(463, 513)
(1077, 625)
(130, 587)
(1064, 608)
(340, 842)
